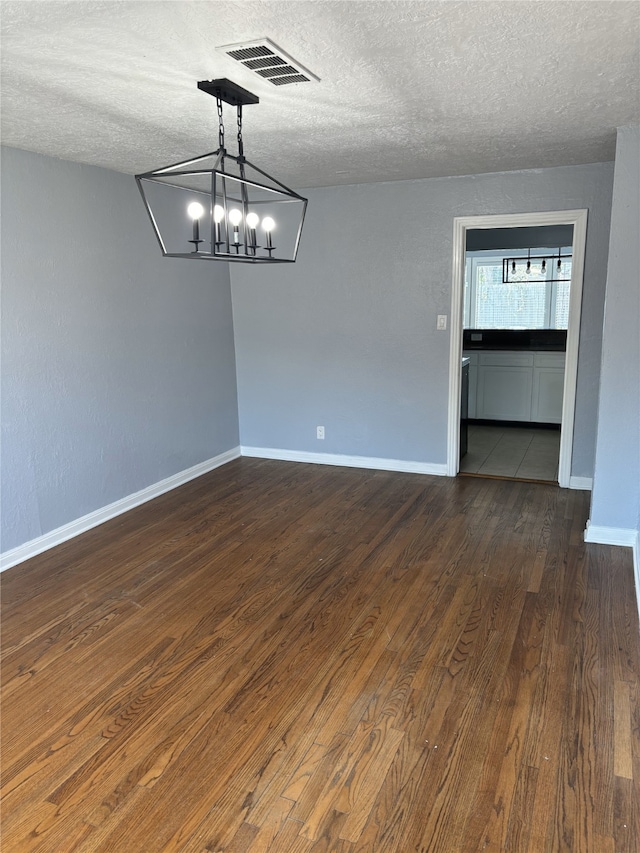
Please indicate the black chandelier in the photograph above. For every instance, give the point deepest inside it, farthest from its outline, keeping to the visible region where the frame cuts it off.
(534, 267)
(221, 205)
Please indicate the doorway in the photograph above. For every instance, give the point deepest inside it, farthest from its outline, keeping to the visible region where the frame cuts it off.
(578, 220)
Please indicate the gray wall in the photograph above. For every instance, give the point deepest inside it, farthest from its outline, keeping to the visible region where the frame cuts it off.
(616, 487)
(118, 366)
(346, 337)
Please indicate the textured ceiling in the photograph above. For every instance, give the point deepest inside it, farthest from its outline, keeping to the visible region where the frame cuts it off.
(408, 89)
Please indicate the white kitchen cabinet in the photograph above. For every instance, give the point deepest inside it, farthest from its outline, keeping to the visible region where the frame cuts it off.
(504, 393)
(548, 387)
(516, 385)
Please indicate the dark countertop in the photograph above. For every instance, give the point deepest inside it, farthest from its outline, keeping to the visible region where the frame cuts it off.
(553, 340)
(493, 348)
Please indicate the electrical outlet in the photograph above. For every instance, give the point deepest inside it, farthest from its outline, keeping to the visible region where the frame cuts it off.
(441, 324)
(320, 432)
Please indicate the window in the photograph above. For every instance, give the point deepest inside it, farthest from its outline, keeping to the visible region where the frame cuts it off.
(521, 304)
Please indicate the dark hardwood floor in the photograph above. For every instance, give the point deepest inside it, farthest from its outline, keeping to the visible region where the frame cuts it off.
(285, 658)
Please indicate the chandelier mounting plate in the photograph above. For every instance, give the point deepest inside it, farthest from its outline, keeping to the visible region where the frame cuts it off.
(228, 92)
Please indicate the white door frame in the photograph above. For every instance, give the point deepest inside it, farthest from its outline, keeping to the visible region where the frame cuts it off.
(461, 224)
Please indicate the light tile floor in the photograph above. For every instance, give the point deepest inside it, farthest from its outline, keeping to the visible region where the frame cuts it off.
(528, 452)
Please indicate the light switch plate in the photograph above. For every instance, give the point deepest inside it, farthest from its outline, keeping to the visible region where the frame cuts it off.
(441, 324)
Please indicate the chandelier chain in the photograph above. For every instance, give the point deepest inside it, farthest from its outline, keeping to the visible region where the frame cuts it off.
(240, 142)
(220, 124)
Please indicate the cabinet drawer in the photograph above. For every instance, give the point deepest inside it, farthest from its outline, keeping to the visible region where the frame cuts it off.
(506, 359)
(549, 359)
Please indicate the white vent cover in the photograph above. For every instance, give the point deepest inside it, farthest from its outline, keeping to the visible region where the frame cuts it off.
(266, 59)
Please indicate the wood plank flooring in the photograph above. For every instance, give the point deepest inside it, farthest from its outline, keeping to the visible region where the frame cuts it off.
(285, 658)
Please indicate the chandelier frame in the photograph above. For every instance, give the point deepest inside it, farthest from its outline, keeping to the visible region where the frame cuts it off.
(250, 186)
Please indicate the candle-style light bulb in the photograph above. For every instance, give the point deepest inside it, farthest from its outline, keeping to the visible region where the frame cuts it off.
(543, 266)
(513, 267)
(252, 221)
(268, 224)
(528, 267)
(235, 218)
(195, 211)
(218, 216)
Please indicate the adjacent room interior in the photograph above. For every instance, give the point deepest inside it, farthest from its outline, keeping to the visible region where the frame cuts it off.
(516, 316)
(305, 546)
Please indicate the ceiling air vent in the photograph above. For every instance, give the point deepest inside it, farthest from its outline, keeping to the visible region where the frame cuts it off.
(265, 58)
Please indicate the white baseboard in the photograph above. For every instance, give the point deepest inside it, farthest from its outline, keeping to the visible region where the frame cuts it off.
(583, 483)
(625, 536)
(636, 568)
(99, 516)
(372, 462)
